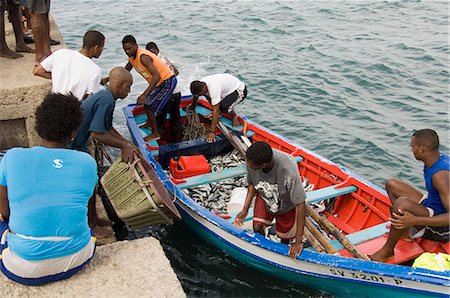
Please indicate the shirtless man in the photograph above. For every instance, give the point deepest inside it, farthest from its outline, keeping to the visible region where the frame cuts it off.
(414, 213)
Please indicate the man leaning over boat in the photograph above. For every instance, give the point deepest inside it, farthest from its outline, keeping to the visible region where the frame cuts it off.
(274, 178)
(415, 214)
(97, 123)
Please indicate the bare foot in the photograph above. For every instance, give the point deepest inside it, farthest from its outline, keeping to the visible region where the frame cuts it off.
(7, 53)
(145, 125)
(235, 122)
(101, 232)
(382, 255)
(152, 137)
(25, 49)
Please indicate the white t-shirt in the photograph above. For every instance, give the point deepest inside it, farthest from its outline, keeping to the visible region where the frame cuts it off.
(73, 73)
(222, 85)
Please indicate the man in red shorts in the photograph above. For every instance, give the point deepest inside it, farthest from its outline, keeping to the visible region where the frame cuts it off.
(274, 178)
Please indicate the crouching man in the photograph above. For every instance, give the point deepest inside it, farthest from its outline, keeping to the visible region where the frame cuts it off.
(274, 178)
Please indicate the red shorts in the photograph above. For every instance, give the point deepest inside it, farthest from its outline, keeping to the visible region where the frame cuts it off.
(285, 224)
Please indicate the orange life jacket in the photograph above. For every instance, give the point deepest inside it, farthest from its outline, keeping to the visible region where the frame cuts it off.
(160, 65)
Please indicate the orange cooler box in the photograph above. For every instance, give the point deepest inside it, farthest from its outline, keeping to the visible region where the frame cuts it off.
(188, 166)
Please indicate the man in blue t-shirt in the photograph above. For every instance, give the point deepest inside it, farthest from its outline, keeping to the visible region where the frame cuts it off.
(98, 115)
(415, 214)
(98, 123)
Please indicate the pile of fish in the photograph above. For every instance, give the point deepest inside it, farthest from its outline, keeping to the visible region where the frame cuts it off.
(216, 195)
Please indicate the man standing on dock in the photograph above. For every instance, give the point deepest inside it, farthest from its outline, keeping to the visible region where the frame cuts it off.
(74, 72)
(161, 81)
(415, 214)
(14, 15)
(98, 123)
(274, 178)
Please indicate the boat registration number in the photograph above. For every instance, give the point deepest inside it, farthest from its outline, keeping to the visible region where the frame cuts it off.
(365, 276)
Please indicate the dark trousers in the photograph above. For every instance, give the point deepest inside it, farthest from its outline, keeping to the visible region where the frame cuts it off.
(173, 109)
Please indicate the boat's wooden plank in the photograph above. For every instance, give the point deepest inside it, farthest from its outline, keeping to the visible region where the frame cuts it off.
(403, 251)
(327, 193)
(213, 177)
(217, 176)
(363, 235)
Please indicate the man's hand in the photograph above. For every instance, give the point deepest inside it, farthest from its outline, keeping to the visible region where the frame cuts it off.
(127, 152)
(295, 249)
(141, 99)
(403, 219)
(239, 220)
(211, 136)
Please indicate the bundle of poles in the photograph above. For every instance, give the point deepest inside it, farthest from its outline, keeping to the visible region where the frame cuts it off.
(313, 234)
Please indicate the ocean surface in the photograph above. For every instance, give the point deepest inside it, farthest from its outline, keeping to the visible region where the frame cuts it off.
(350, 80)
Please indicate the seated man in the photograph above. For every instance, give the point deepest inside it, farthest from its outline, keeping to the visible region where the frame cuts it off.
(44, 193)
(274, 178)
(224, 92)
(421, 215)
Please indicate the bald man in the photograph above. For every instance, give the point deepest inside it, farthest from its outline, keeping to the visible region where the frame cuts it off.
(98, 123)
(98, 115)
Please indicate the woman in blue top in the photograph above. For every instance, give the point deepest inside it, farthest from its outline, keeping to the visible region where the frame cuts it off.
(44, 192)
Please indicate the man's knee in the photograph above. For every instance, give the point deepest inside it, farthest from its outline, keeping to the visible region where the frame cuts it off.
(392, 184)
(404, 203)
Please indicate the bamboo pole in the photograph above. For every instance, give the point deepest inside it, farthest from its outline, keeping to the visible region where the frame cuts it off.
(330, 228)
(320, 237)
(313, 241)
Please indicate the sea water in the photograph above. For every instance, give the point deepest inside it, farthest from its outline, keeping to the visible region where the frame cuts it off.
(350, 80)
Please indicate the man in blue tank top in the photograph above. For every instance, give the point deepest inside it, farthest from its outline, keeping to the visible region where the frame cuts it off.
(413, 212)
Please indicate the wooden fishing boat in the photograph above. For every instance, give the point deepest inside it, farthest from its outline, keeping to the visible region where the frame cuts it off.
(358, 208)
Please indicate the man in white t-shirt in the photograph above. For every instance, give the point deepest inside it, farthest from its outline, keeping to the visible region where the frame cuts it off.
(224, 92)
(74, 72)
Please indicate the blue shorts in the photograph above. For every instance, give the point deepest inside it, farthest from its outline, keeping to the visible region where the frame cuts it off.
(33, 281)
(159, 96)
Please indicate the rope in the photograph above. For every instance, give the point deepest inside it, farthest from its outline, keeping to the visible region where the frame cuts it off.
(193, 128)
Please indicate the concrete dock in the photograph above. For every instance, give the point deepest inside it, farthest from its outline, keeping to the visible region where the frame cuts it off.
(128, 268)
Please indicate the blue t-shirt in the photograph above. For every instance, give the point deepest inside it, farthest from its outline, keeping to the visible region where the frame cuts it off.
(98, 112)
(48, 193)
(433, 199)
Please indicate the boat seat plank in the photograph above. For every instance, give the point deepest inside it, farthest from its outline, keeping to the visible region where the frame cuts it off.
(218, 176)
(327, 193)
(213, 177)
(141, 119)
(228, 123)
(403, 251)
